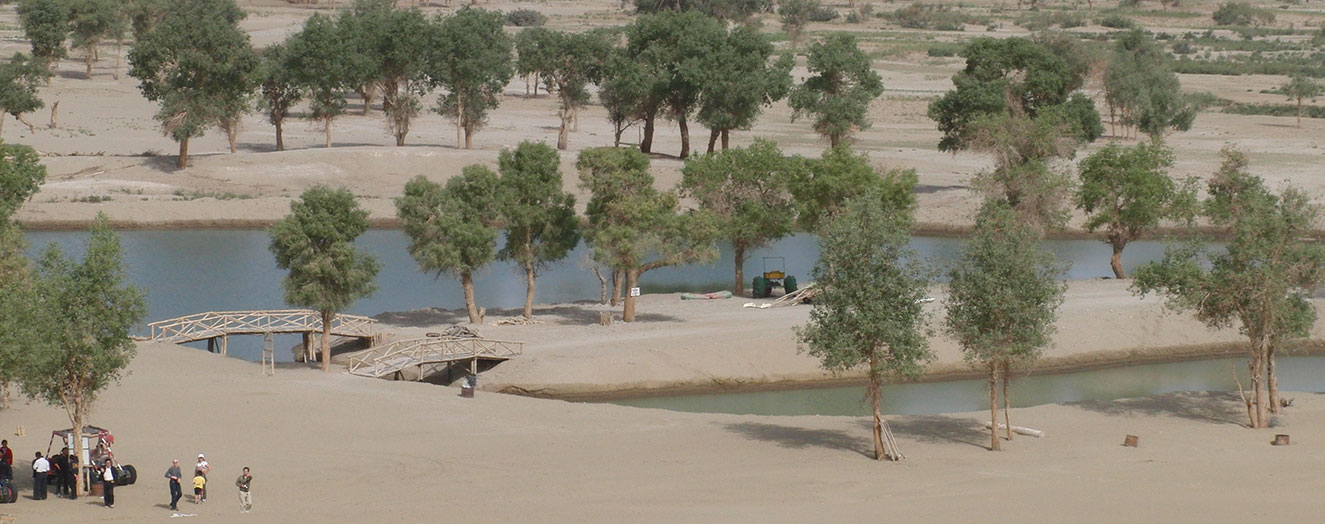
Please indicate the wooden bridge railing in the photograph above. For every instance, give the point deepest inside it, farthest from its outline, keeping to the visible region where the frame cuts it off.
(214, 324)
(395, 356)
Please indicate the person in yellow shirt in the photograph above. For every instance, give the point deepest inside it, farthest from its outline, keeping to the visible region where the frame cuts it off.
(199, 482)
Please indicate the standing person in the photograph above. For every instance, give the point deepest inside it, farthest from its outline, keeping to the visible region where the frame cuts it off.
(203, 467)
(6, 473)
(60, 465)
(71, 477)
(243, 482)
(108, 484)
(199, 484)
(41, 471)
(6, 454)
(175, 491)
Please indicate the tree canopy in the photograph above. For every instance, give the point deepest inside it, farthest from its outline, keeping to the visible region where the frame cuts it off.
(90, 22)
(870, 311)
(1141, 88)
(451, 228)
(672, 50)
(838, 93)
(739, 81)
(19, 80)
(1301, 88)
(280, 88)
(320, 60)
(571, 62)
(315, 244)
(1013, 76)
(46, 25)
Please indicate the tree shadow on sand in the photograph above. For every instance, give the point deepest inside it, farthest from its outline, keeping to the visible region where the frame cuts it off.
(578, 314)
(939, 429)
(1206, 406)
(799, 438)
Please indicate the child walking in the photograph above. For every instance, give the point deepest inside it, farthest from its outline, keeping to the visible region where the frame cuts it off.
(199, 482)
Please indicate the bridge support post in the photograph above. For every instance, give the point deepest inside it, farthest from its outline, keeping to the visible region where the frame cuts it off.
(225, 341)
(308, 346)
(211, 345)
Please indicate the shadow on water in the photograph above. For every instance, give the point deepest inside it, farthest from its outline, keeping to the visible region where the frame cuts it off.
(800, 438)
(1205, 406)
(583, 313)
(939, 429)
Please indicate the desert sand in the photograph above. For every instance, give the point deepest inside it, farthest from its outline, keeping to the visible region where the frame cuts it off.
(338, 448)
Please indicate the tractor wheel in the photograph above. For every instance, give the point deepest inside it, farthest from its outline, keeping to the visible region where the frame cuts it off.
(128, 475)
(8, 495)
(789, 284)
(760, 287)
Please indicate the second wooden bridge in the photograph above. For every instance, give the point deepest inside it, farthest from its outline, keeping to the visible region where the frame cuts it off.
(391, 359)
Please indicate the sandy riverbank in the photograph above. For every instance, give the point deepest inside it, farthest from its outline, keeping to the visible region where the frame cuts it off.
(338, 448)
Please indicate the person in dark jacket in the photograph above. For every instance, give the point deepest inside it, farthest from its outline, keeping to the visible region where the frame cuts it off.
(59, 465)
(108, 483)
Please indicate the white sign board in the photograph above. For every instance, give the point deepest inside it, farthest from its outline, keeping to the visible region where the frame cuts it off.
(634, 292)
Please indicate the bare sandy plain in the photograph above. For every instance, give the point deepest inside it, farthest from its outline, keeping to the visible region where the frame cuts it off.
(338, 448)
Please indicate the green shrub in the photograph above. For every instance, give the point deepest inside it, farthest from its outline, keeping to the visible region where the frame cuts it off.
(945, 49)
(1183, 48)
(1116, 21)
(933, 16)
(525, 18)
(822, 14)
(1275, 110)
(1239, 13)
(1041, 20)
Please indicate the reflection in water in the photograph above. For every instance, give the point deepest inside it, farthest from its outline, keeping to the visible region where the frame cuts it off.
(1295, 374)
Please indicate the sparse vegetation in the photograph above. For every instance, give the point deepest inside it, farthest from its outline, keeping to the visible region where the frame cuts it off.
(525, 18)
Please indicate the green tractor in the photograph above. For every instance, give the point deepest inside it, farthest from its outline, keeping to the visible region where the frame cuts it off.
(775, 275)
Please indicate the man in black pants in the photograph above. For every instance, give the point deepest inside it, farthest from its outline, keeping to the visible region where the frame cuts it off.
(108, 483)
(59, 467)
(41, 471)
(175, 492)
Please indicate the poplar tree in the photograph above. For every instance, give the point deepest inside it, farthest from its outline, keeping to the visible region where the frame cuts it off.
(739, 81)
(198, 65)
(1128, 192)
(747, 190)
(838, 93)
(1262, 281)
(280, 88)
(1003, 299)
(319, 60)
(19, 80)
(573, 61)
(315, 244)
(633, 227)
(21, 174)
(90, 22)
(471, 59)
(539, 216)
(77, 324)
(46, 25)
(870, 311)
(452, 228)
(1301, 88)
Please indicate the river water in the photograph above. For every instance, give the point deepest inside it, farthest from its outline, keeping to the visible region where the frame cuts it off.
(191, 271)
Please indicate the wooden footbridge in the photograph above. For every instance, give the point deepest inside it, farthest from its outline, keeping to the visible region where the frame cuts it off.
(216, 326)
(389, 360)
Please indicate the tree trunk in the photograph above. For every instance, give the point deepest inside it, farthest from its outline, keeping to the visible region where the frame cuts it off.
(1299, 113)
(739, 289)
(76, 418)
(1007, 377)
(366, 93)
(602, 284)
(875, 391)
(469, 139)
(617, 280)
(993, 407)
(1257, 368)
(632, 281)
(459, 117)
(467, 281)
(685, 136)
(563, 134)
(713, 139)
(183, 154)
(232, 134)
(280, 134)
(4, 394)
(726, 135)
(646, 145)
(616, 134)
(327, 318)
(529, 291)
(87, 75)
(1272, 380)
(400, 136)
(55, 115)
(834, 139)
(119, 45)
(326, 128)
(1116, 262)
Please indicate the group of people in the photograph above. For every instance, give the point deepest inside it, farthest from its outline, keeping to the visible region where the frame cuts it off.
(200, 470)
(62, 470)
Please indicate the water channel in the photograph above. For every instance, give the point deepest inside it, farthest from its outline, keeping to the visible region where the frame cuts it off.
(191, 271)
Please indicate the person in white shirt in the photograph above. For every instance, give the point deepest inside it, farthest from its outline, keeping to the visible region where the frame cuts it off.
(203, 467)
(108, 484)
(41, 470)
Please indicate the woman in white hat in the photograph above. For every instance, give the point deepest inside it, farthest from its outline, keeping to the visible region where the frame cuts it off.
(202, 468)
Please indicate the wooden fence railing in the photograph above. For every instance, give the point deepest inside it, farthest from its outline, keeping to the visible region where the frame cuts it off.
(395, 356)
